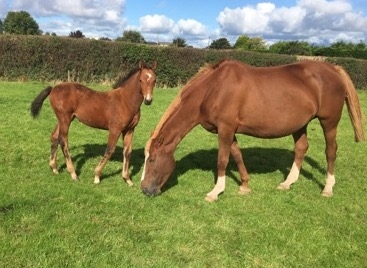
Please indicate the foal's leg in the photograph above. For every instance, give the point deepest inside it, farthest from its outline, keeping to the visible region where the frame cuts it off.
(64, 124)
(127, 143)
(54, 145)
(331, 148)
(225, 141)
(300, 149)
(237, 156)
(111, 145)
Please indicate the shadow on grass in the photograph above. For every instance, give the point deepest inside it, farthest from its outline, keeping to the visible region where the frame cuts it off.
(97, 151)
(258, 160)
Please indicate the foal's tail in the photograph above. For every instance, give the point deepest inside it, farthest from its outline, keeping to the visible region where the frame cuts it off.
(353, 105)
(38, 101)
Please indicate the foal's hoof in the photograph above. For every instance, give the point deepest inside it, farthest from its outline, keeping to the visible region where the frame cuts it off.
(129, 183)
(96, 180)
(210, 199)
(244, 191)
(283, 187)
(55, 171)
(327, 194)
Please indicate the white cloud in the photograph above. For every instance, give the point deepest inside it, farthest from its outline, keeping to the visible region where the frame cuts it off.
(317, 20)
(191, 27)
(3, 9)
(247, 19)
(314, 21)
(156, 24)
(93, 18)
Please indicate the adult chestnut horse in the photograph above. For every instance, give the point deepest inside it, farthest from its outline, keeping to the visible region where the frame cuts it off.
(232, 97)
(117, 111)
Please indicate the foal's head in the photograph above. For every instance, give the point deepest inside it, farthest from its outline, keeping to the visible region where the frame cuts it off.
(147, 80)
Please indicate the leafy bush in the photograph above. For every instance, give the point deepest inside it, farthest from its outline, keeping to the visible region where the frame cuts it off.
(50, 58)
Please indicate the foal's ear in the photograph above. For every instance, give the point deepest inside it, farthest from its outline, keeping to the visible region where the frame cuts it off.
(154, 65)
(141, 64)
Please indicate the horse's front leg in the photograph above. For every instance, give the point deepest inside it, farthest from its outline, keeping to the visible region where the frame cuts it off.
(237, 156)
(111, 145)
(127, 139)
(225, 140)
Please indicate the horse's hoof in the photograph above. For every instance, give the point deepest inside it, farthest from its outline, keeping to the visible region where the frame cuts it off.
(129, 183)
(96, 180)
(327, 194)
(55, 171)
(244, 191)
(210, 199)
(283, 187)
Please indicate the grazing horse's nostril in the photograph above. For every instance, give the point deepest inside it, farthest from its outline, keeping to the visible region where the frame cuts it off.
(150, 191)
(148, 101)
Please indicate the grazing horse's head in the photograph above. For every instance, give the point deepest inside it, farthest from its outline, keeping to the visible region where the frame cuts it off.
(147, 81)
(158, 167)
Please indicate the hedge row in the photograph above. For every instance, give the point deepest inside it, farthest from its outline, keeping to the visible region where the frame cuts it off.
(49, 58)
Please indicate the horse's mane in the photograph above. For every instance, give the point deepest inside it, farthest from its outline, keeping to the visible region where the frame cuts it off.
(122, 79)
(177, 100)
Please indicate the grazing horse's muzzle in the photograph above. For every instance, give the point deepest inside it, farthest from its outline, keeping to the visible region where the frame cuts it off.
(148, 101)
(152, 191)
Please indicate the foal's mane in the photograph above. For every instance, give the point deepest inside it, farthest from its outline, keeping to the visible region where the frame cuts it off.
(177, 100)
(122, 79)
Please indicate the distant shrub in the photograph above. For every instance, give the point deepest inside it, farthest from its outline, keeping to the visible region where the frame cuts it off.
(52, 58)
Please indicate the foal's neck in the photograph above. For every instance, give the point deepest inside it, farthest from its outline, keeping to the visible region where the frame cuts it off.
(131, 88)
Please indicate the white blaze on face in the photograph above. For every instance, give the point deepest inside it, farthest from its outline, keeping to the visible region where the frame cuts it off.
(145, 162)
(149, 76)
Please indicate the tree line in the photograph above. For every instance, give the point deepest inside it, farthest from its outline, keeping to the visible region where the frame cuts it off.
(21, 22)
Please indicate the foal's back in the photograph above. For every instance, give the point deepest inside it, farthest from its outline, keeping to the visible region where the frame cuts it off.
(91, 107)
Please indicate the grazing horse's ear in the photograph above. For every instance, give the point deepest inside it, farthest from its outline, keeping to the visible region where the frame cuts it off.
(141, 64)
(154, 65)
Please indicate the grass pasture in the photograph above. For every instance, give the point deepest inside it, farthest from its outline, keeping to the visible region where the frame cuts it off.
(47, 220)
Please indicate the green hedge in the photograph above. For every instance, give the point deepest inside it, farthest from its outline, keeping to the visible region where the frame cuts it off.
(50, 58)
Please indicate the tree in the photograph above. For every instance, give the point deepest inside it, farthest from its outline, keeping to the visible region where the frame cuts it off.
(221, 43)
(21, 22)
(132, 37)
(292, 48)
(247, 43)
(77, 34)
(179, 42)
(1, 27)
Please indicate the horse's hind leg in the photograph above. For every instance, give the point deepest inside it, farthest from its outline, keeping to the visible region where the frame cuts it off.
(54, 145)
(127, 148)
(300, 149)
(331, 148)
(111, 145)
(237, 156)
(63, 141)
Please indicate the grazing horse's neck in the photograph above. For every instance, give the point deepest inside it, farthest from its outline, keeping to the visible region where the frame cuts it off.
(176, 127)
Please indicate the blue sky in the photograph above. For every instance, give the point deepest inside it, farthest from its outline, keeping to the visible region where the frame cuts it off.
(201, 21)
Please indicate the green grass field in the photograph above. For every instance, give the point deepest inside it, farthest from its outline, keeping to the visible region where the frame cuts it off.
(48, 220)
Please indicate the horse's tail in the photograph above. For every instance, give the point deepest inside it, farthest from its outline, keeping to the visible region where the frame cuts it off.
(354, 108)
(38, 101)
